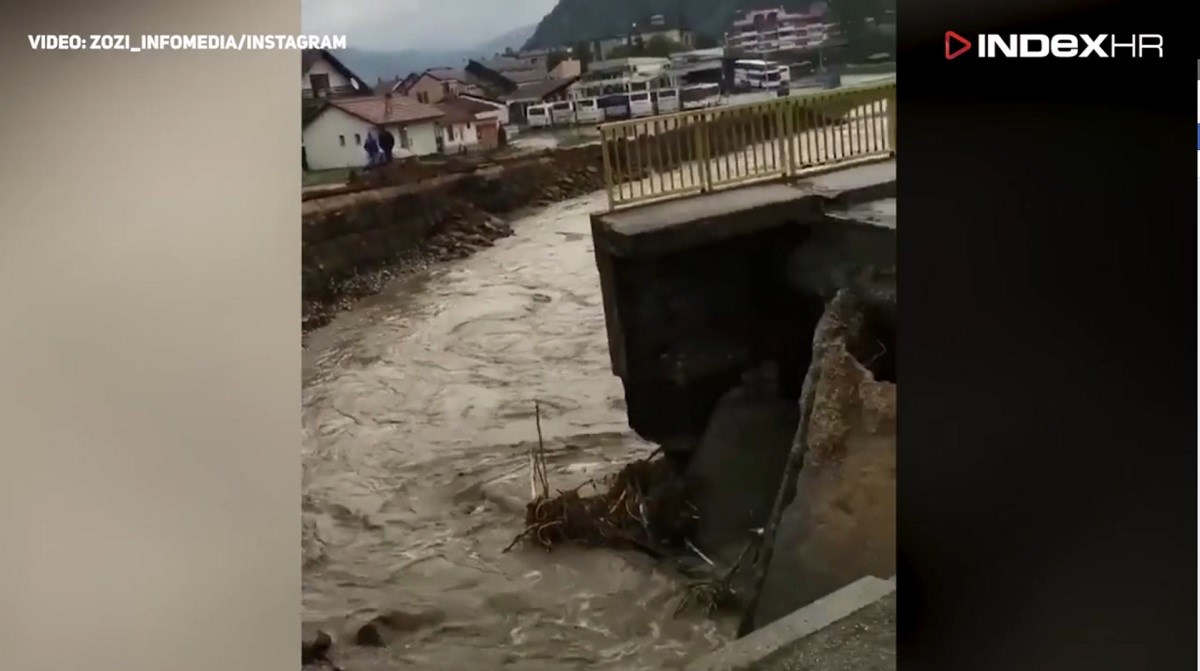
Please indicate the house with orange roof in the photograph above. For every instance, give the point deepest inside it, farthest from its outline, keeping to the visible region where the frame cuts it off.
(334, 137)
(468, 125)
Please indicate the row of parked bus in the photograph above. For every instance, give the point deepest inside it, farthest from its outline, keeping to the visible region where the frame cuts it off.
(620, 91)
(625, 104)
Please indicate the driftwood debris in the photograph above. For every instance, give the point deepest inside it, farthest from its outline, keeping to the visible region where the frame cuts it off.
(642, 507)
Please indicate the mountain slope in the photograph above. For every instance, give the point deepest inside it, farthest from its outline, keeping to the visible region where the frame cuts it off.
(572, 21)
(372, 65)
(513, 39)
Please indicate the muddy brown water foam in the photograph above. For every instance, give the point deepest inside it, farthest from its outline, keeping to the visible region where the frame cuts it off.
(417, 413)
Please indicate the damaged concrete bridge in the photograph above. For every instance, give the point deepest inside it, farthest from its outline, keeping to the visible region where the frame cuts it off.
(747, 265)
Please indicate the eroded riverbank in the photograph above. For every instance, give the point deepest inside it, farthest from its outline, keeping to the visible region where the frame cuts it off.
(418, 411)
(355, 243)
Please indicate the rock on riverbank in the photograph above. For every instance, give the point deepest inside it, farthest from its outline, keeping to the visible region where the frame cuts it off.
(841, 524)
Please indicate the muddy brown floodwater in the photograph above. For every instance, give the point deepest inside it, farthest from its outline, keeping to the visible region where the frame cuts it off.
(417, 414)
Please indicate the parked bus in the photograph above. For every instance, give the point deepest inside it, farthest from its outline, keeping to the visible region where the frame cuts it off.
(614, 106)
(562, 113)
(640, 104)
(538, 116)
(757, 74)
(587, 111)
(666, 100)
(697, 96)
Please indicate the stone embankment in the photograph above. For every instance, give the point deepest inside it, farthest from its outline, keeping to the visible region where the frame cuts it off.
(353, 242)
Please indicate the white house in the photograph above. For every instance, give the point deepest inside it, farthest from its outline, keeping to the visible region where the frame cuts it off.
(499, 110)
(458, 131)
(334, 137)
(469, 125)
(323, 76)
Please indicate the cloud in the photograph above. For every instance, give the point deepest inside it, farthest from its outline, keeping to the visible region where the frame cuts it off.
(418, 24)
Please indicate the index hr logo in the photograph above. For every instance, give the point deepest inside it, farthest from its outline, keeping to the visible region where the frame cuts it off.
(956, 45)
(1055, 46)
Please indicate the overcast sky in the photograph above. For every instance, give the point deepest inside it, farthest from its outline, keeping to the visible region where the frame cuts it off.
(394, 25)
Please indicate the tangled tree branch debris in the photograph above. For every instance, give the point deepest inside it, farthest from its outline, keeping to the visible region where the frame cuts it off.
(644, 507)
(717, 592)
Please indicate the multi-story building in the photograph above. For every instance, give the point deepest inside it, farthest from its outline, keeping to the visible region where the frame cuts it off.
(769, 30)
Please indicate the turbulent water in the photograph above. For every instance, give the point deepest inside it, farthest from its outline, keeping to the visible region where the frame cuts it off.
(418, 411)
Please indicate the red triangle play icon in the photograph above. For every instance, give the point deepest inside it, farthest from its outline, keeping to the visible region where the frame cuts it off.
(956, 45)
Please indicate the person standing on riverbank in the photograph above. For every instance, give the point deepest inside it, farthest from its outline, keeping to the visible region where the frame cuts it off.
(372, 148)
(386, 143)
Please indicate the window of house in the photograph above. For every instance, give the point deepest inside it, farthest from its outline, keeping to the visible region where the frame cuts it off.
(357, 140)
(446, 87)
(404, 138)
(320, 83)
(422, 97)
(342, 140)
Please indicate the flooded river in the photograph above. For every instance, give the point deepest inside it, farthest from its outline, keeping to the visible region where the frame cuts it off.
(418, 410)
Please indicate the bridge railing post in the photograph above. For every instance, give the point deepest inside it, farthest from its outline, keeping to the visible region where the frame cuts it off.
(702, 153)
(783, 126)
(605, 145)
(891, 120)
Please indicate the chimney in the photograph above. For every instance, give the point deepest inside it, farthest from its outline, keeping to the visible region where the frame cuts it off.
(387, 105)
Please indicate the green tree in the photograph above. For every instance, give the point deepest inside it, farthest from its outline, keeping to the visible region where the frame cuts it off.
(852, 15)
(658, 46)
(706, 41)
(554, 58)
(624, 51)
(583, 53)
(661, 46)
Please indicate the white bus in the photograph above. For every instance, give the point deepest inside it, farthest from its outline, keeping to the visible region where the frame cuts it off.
(562, 113)
(614, 106)
(666, 100)
(757, 74)
(587, 111)
(537, 116)
(640, 104)
(697, 96)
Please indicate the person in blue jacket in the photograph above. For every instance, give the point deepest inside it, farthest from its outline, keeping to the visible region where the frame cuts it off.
(372, 147)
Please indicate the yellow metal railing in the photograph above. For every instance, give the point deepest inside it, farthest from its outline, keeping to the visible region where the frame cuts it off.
(676, 155)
